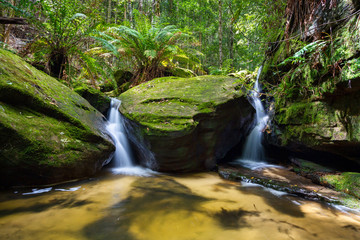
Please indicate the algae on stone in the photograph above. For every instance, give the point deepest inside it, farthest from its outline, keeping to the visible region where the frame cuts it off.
(170, 104)
(317, 97)
(348, 182)
(187, 123)
(48, 133)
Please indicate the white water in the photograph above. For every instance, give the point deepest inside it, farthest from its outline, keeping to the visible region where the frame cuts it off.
(253, 156)
(122, 160)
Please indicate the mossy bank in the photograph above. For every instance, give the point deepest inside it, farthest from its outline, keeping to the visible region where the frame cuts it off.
(48, 133)
(187, 123)
(316, 89)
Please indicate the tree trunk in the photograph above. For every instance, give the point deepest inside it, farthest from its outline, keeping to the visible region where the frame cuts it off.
(171, 5)
(152, 11)
(125, 10)
(231, 43)
(130, 10)
(157, 7)
(109, 12)
(57, 60)
(141, 6)
(220, 35)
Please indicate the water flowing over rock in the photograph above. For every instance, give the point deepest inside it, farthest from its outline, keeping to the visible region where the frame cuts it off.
(122, 160)
(186, 123)
(48, 133)
(253, 155)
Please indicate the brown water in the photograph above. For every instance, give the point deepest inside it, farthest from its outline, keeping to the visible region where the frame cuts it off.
(199, 206)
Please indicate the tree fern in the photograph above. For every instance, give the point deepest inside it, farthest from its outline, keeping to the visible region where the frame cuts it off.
(151, 49)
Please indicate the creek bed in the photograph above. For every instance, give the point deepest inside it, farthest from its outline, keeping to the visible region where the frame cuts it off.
(197, 206)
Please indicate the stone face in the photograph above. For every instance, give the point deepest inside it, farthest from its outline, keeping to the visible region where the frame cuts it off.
(187, 123)
(317, 111)
(96, 98)
(324, 126)
(48, 133)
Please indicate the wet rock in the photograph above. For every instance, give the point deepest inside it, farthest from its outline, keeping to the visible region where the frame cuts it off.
(96, 98)
(48, 133)
(285, 180)
(187, 123)
(317, 111)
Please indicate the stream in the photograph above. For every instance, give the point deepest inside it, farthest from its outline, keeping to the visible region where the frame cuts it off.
(128, 202)
(196, 206)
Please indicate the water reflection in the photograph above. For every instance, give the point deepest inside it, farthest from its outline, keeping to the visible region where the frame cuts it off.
(198, 206)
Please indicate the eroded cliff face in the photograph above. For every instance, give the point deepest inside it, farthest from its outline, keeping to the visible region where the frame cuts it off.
(48, 133)
(187, 123)
(316, 88)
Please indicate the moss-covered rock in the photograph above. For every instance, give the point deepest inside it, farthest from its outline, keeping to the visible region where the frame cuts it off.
(48, 133)
(188, 123)
(348, 182)
(96, 98)
(317, 95)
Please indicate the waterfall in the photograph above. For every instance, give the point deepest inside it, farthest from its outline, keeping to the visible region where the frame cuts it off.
(253, 149)
(122, 156)
(122, 159)
(253, 155)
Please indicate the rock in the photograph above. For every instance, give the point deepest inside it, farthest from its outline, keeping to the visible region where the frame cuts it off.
(187, 123)
(285, 180)
(48, 133)
(316, 99)
(122, 76)
(96, 98)
(327, 131)
(348, 182)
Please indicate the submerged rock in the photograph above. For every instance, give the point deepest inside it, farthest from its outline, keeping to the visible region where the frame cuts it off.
(187, 123)
(48, 133)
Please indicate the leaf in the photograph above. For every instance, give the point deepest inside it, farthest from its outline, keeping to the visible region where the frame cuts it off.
(78, 15)
(150, 54)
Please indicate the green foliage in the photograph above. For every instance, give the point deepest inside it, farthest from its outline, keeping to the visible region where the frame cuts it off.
(150, 49)
(225, 69)
(63, 32)
(300, 56)
(304, 74)
(348, 182)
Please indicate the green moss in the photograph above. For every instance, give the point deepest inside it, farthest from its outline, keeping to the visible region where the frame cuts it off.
(44, 125)
(96, 98)
(348, 182)
(171, 104)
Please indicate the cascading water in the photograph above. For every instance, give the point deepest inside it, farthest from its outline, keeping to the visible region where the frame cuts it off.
(122, 156)
(122, 160)
(253, 153)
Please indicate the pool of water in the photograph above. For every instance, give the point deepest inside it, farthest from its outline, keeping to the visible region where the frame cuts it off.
(197, 206)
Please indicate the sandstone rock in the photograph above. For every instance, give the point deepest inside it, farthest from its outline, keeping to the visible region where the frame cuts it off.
(187, 123)
(48, 133)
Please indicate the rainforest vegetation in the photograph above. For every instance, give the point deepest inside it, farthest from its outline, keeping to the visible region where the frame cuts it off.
(108, 94)
(105, 44)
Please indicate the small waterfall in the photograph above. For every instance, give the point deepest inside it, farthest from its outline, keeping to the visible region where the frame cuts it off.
(122, 156)
(253, 149)
(253, 153)
(122, 160)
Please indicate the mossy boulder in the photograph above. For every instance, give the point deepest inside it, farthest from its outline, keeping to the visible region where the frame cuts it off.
(187, 123)
(96, 98)
(48, 133)
(328, 132)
